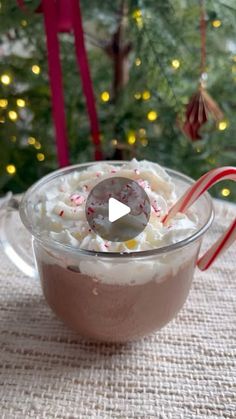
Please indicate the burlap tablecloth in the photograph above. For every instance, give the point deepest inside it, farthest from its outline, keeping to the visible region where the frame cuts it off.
(187, 370)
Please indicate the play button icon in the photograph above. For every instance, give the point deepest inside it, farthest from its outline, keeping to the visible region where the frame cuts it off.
(117, 209)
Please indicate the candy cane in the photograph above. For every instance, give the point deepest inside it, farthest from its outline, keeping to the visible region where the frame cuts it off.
(191, 195)
(218, 248)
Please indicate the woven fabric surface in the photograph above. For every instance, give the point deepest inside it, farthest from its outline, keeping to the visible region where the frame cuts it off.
(186, 370)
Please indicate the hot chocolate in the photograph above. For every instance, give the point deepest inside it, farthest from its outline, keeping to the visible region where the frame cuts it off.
(113, 312)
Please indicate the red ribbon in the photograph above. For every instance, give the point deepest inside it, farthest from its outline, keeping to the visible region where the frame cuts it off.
(83, 65)
(65, 16)
(55, 75)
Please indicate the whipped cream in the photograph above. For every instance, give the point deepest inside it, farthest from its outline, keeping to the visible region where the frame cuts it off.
(60, 210)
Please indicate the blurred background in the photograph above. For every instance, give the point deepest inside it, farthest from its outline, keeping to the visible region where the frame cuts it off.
(145, 63)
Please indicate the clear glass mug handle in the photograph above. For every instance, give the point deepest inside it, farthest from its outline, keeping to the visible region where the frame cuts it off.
(16, 241)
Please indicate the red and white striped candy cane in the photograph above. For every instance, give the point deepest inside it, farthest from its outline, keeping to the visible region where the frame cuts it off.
(191, 195)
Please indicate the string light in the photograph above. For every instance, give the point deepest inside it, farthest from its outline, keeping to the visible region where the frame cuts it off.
(152, 116)
(146, 95)
(3, 103)
(31, 140)
(24, 23)
(21, 103)
(138, 62)
(37, 145)
(137, 95)
(222, 125)
(225, 192)
(105, 96)
(13, 138)
(11, 169)
(137, 16)
(137, 13)
(175, 64)
(5, 79)
(216, 23)
(35, 69)
(114, 142)
(12, 115)
(131, 244)
(40, 156)
(131, 138)
(144, 142)
(142, 132)
(2, 120)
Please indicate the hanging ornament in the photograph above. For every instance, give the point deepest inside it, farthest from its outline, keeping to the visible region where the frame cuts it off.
(201, 106)
(65, 16)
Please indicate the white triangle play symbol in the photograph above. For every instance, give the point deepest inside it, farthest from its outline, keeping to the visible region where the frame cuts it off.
(116, 210)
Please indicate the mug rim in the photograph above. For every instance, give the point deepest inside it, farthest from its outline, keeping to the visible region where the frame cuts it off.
(107, 255)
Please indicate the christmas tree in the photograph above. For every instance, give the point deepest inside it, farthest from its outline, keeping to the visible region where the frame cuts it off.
(145, 59)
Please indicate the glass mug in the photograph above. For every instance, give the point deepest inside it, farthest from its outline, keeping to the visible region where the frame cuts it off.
(107, 296)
